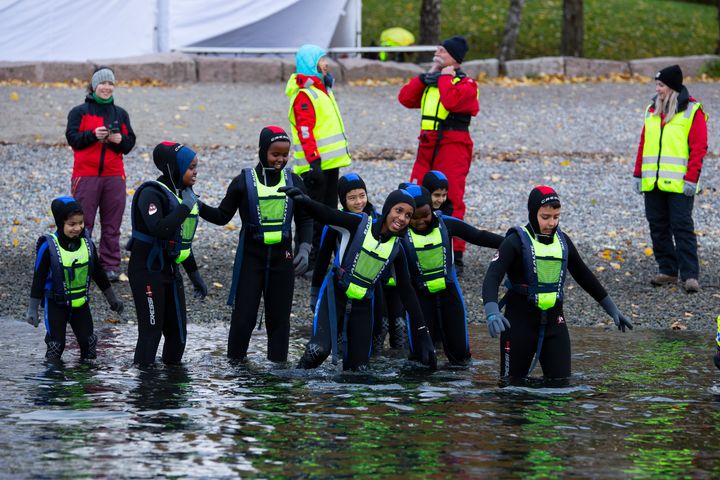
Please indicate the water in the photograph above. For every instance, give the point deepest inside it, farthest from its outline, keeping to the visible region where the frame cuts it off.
(644, 404)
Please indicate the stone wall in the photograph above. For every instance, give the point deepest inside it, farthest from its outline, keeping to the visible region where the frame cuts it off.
(175, 68)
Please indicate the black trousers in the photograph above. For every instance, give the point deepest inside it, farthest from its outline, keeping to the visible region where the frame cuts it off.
(354, 327)
(673, 233)
(321, 187)
(444, 313)
(519, 344)
(57, 317)
(160, 304)
(266, 272)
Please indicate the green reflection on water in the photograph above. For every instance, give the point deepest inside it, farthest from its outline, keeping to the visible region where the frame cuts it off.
(362, 436)
(539, 430)
(662, 463)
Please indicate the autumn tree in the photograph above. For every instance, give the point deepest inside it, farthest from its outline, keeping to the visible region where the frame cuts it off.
(512, 30)
(429, 26)
(571, 44)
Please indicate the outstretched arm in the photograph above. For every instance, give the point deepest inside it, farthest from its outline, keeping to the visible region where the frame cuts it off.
(223, 213)
(482, 238)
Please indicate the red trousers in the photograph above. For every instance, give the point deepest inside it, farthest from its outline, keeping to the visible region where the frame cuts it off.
(453, 158)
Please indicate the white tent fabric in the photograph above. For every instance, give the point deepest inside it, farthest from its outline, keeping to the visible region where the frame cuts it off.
(78, 30)
(75, 29)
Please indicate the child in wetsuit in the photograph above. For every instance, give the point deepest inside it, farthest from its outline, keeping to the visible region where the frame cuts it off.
(66, 261)
(265, 266)
(437, 184)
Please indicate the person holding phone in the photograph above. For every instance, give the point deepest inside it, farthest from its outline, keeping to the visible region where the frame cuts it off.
(99, 133)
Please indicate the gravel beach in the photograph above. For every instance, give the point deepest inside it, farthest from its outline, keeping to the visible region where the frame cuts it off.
(579, 138)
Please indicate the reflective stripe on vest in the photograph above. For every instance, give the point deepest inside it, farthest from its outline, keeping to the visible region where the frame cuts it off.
(329, 131)
(70, 272)
(666, 150)
(365, 261)
(180, 246)
(545, 268)
(270, 210)
(428, 257)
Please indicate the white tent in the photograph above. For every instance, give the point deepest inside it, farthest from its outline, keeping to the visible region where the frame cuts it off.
(78, 30)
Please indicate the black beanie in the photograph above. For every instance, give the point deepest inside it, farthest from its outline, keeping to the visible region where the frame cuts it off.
(457, 47)
(540, 196)
(395, 197)
(435, 180)
(268, 136)
(348, 182)
(173, 160)
(420, 194)
(671, 76)
(62, 208)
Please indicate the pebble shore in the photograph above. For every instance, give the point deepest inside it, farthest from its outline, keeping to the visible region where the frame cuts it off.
(579, 138)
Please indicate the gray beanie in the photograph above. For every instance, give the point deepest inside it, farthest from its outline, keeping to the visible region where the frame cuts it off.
(103, 74)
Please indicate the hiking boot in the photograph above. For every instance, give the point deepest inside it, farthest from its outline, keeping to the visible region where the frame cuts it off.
(664, 279)
(691, 285)
(113, 276)
(459, 264)
(716, 358)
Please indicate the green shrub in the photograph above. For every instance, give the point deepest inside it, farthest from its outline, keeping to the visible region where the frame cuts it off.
(711, 68)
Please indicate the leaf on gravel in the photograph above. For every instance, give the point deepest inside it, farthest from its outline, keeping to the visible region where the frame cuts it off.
(689, 314)
(231, 227)
(606, 254)
(36, 220)
(15, 242)
(230, 126)
(14, 96)
(600, 269)
(495, 176)
(678, 326)
(612, 234)
(112, 320)
(217, 285)
(123, 278)
(565, 163)
(13, 230)
(201, 108)
(130, 192)
(183, 107)
(648, 251)
(616, 266)
(16, 222)
(145, 156)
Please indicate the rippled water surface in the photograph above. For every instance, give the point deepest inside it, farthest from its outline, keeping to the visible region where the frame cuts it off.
(643, 404)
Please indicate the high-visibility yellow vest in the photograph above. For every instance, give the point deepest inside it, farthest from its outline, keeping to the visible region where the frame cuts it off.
(73, 268)
(329, 130)
(270, 210)
(365, 261)
(434, 112)
(666, 150)
(545, 268)
(187, 229)
(428, 257)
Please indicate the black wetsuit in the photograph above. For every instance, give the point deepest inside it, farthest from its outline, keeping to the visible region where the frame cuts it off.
(265, 270)
(445, 310)
(158, 293)
(387, 301)
(519, 344)
(354, 318)
(57, 316)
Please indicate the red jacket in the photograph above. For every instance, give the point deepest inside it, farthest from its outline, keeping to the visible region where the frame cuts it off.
(697, 140)
(460, 97)
(94, 158)
(305, 117)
